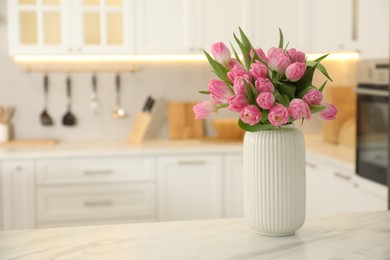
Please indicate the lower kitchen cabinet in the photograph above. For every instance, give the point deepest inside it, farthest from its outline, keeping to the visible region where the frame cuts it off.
(233, 192)
(18, 195)
(189, 187)
(333, 187)
(93, 190)
(79, 204)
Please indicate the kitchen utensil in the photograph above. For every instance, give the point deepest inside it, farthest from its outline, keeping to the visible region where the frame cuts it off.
(142, 122)
(1, 114)
(94, 98)
(69, 119)
(45, 117)
(182, 123)
(118, 113)
(8, 114)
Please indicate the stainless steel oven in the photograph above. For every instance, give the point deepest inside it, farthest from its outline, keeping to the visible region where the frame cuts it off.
(373, 120)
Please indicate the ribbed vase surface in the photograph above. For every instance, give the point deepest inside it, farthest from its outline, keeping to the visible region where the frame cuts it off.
(275, 181)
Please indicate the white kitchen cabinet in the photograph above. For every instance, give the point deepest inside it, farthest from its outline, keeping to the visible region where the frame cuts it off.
(333, 26)
(165, 27)
(233, 193)
(189, 187)
(217, 20)
(38, 26)
(70, 26)
(18, 194)
(333, 187)
(93, 190)
(373, 29)
(85, 204)
(267, 16)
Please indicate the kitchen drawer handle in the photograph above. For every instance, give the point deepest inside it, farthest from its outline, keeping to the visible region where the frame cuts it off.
(311, 165)
(97, 172)
(98, 203)
(342, 176)
(191, 162)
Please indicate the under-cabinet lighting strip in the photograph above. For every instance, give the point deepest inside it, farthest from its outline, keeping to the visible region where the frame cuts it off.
(150, 58)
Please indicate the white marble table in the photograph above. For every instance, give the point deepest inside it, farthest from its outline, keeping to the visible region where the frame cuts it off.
(346, 236)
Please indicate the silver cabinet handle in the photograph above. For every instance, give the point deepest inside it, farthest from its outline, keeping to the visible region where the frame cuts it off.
(372, 92)
(98, 203)
(355, 15)
(191, 162)
(342, 176)
(97, 172)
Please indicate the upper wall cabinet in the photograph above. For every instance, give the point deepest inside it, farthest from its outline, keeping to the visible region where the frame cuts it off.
(165, 27)
(267, 16)
(70, 26)
(333, 25)
(187, 26)
(373, 29)
(217, 20)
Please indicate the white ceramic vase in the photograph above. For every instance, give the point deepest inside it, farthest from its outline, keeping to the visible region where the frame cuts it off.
(275, 181)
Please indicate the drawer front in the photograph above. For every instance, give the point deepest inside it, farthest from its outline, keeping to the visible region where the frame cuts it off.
(72, 204)
(94, 170)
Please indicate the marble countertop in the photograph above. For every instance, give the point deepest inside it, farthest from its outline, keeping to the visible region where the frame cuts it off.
(344, 236)
(314, 144)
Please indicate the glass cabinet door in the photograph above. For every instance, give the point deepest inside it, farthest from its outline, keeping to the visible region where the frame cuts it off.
(36, 25)
(105, 23)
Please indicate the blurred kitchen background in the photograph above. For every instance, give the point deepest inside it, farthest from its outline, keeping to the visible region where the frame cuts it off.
(156, 49)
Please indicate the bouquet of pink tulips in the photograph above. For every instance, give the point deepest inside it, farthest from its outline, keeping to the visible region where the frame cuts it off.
(267, 91)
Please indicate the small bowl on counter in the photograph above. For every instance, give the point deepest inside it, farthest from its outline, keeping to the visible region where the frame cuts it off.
(228, 129)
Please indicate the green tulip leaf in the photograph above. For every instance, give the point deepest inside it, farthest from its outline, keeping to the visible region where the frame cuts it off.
(321, 68)
(316, 108)
(204, 92)
(255, 128)
(280, 38)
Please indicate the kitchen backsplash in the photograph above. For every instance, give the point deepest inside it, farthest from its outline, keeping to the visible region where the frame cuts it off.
(165, 81)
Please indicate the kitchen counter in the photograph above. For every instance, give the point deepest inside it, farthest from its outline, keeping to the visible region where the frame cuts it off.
(314, 144)
(344, 236)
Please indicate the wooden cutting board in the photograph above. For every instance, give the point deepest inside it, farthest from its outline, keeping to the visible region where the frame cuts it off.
(182, 123)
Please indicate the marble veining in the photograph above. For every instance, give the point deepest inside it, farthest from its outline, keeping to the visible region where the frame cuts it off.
(344, 236)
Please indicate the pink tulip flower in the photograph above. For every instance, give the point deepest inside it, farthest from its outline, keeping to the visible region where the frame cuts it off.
(265, 100)
(298, 109)
(282, 62)
(329, 113)
(238, 71)
(259, 53)
(313, 97)
(258, 70)
(204, 109)
(219, 91)
(273, 55)
(237, 103)
(239, 86)
(221, 53)
(233, 62)
(296, 56)
(264, 85)
(295, 71)
(278, 115)
(250, 115)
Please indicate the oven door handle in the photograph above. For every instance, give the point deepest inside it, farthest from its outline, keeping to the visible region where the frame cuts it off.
(372, 92)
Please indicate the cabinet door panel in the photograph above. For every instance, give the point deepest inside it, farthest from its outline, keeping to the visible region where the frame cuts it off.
(163, 27)
(79, 203)
(189, 187)
(18, 195)
(218, 19)
(270, 15)
(234, 201)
